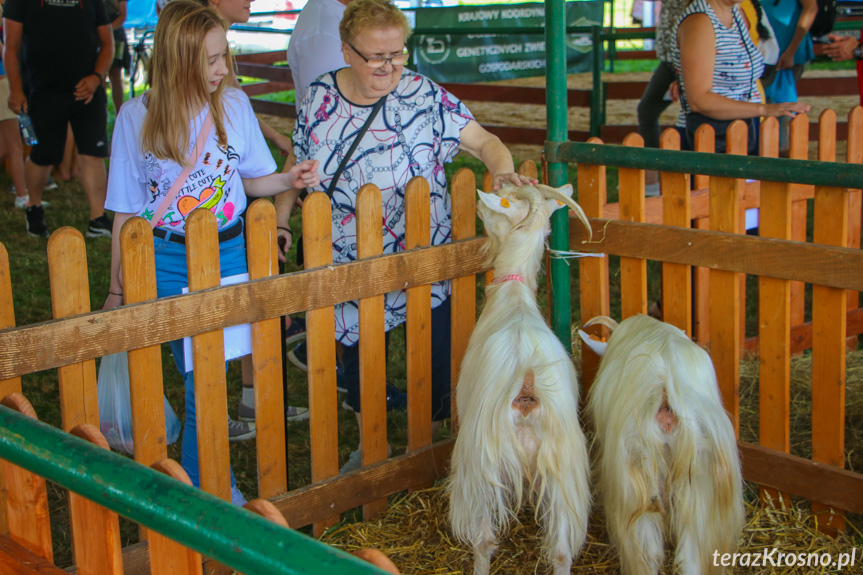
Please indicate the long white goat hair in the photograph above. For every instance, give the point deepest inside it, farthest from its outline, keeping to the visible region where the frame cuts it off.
(686, 475)
(500, 455)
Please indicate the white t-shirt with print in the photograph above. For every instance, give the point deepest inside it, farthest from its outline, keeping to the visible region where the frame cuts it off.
(138, 181)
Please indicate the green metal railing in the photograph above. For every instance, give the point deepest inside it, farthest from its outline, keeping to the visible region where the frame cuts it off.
(234, 536)
(832, 174)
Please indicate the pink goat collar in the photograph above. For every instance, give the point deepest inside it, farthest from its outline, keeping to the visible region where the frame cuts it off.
(508, 278)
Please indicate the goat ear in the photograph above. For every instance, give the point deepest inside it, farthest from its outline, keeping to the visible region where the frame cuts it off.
(552, 205)
(565, 189)
(598, 347)
(494, 202)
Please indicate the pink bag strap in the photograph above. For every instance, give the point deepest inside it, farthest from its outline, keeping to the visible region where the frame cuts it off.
(184, 175)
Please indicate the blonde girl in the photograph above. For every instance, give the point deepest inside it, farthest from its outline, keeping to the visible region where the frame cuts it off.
(153, 139)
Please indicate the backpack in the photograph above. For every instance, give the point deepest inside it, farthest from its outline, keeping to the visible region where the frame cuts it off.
(824, 18)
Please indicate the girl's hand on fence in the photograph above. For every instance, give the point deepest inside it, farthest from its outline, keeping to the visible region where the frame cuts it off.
(789, 109)
(304, 175)
(113, 300)
(512, 178)
(285, 238)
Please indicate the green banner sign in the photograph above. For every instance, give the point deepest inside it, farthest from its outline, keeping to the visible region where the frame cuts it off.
(450, 56)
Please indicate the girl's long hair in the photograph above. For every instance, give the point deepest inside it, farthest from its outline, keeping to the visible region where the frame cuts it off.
(178, 78)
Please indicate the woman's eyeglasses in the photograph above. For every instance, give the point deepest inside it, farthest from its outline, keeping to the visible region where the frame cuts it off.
(375, 63)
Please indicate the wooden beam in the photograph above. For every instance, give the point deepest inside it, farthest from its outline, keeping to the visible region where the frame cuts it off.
(17, 560)
(54, 343)
(280, 74)
(801, 335)
(823, 265)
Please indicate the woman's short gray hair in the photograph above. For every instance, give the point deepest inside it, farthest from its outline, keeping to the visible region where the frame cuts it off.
(361, 15)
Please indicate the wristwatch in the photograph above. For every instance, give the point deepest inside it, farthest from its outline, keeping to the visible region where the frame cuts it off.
(858, 52)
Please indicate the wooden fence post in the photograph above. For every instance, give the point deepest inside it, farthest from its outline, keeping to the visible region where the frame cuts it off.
(270, 440)
(463, 307)
(633, 271)
(13, 384)
(26, 502)
(373, 364)
(855, 198)
(799, 137)
(70, 295)
(418, 328)
(146, 388)
(208, 354)
(592, 272)
(167, 557)
(725, 194)
(705, 141)
(774, 316)
(95, 546)
(828, 329)
(321, 351)
(676, 278)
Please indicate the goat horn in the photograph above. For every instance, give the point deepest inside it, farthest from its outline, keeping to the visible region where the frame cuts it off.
(602, 320)
(530, 194)
(549, 192)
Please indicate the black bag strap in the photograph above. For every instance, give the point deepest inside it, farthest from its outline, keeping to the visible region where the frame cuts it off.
(378, 105)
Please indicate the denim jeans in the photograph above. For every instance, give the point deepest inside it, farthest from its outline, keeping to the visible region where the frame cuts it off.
(171, 278)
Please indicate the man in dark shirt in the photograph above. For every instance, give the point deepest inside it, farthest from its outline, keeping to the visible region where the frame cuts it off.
(65, 48)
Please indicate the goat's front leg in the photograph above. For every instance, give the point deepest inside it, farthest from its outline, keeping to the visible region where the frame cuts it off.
(483, 548)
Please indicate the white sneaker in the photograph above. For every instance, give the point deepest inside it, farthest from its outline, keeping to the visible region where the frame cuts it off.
(355, 461)
(21, 202)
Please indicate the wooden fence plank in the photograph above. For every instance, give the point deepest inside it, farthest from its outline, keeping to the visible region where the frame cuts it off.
(267, 359)
(418, 329)
(27, 497)
(321, 352)
(17, 560)
(799, 139)
(854, 155)
(208, 353)
(633, 271)
(58, 342)
(13, 384)
(828, 329)
(96, 542)
(676, 278)
(167, 557)
(70, 295)
(704, 142)
(774, 316)
(592, 272)
(463, 307)
(724, 296)
(373, 362)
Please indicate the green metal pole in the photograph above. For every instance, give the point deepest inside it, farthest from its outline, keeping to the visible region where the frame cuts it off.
(234, 536)
(556, 116)
(612, 45)
(596, 89)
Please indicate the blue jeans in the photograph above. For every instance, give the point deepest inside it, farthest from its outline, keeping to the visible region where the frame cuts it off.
(171, 278)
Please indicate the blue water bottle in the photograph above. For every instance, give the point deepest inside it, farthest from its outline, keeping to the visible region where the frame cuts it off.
(28, 134)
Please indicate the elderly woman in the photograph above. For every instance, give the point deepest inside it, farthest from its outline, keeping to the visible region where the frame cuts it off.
(718, 66)
(417, 129)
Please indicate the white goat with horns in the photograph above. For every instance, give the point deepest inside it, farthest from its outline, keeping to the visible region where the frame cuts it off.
(517, 396)
(667, 454)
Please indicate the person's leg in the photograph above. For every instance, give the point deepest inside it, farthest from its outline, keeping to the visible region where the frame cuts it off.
(89, 126)
(115, 76)
(441, 351)
(66, 166)
(94, 179)
(11, 138)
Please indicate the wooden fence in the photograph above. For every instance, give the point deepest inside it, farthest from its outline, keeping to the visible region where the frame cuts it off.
(832, 262)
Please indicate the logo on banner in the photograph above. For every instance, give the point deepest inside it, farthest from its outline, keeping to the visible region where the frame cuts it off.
(434, 49)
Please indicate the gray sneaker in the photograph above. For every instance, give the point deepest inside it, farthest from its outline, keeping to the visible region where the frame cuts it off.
(292, 414)
(355, 461)
(240, 430)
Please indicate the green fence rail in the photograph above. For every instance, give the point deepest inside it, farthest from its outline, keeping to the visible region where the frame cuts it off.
(832, 174)
(234, 536)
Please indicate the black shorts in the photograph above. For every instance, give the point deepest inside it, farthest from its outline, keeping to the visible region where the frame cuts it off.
(122, 57)
(51, 110)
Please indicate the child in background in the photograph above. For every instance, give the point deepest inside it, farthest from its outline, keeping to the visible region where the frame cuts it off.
(153, 137)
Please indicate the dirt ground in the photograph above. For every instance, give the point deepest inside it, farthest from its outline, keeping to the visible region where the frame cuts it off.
(618, 112)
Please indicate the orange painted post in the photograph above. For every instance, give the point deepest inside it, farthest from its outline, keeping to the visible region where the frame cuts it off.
(321, 351)
(11, 385)
(263, 262)
(592, 272)
(676, 278)
(208, 355)
(26, 503)
(463, 307)
(829, 329)
(95, 529)
(725, 342)
(146, 389)
(373, 364)
(70, 295)
(633, 271)
(418, 329)
(774, 316)
(799, 137)
(855, 198)
(167, 557)
(704, 142)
